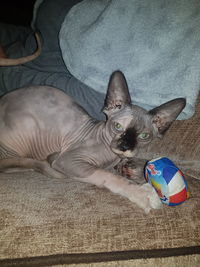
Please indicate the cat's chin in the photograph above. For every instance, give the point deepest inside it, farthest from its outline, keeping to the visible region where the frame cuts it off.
(125, 154)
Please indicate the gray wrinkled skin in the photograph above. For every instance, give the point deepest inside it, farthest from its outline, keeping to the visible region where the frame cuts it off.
(43, 129)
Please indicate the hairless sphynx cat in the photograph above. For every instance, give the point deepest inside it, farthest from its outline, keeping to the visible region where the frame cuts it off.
(43, 129)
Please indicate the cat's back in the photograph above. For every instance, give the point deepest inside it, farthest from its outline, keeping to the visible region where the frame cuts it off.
(41, 100)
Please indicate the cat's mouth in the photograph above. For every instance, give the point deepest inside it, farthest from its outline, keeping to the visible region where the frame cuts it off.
(125, 154)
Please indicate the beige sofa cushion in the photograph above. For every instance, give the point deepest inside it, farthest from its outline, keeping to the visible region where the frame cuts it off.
(40, 216)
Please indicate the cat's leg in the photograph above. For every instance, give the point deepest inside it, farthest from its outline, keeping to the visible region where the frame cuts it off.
(144, 195)
(19, 164)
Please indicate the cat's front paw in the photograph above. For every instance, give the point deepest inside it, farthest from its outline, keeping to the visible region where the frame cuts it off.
(147, 198)
(152, 199)
(133, 169)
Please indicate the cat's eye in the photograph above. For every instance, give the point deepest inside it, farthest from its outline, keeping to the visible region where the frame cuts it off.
(144, 136)
(118, 127)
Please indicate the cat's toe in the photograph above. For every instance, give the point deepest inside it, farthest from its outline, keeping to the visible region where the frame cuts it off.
(153, 197)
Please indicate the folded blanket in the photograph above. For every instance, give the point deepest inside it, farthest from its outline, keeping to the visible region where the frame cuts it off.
(48, 68)
(155, 43)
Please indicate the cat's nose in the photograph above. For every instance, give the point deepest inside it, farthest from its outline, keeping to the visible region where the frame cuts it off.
(124, 147)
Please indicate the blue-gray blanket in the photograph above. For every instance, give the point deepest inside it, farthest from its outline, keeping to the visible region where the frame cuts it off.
(156, 43)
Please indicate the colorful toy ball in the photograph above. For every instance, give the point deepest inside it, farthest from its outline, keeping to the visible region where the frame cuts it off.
(168, 181)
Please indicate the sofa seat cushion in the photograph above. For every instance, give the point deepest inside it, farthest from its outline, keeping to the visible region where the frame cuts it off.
(41, 217)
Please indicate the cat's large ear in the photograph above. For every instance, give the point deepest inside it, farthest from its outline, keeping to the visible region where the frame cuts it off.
(164, 115)
(117, 94)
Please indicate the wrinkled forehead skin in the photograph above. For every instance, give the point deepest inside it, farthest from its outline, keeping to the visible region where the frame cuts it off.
(132, 116)
(125, 113)
(141, 119)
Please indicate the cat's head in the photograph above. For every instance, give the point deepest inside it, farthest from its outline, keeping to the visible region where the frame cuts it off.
(131, 126)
